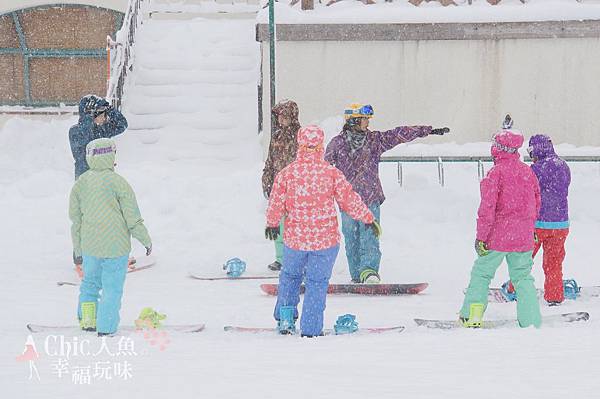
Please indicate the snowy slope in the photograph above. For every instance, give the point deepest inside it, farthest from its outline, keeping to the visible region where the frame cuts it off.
(194, 160)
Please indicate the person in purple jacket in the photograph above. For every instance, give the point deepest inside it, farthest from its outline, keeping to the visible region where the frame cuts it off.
(356, 151)
(552, 225)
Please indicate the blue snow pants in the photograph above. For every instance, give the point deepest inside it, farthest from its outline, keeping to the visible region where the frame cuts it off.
(108, 275)
(315, 267)
(362, 247)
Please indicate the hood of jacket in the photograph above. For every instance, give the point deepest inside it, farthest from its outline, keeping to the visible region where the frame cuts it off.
(540, 146)
(100, 154)
(310, 142)
(506, 144)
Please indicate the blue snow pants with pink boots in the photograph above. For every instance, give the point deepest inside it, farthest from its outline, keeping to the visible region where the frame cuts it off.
(108, 275)
(315, 267)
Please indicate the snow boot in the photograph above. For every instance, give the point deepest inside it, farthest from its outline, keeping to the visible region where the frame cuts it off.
(88, 316)
(475, 319)
(275, 266)
(286, 324)
(369, 276)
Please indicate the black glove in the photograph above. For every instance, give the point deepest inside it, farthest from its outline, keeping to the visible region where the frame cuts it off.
(271, 233)
(78, 260)
(90, 104)
(481, 248)
(440, 131)
(149, 250)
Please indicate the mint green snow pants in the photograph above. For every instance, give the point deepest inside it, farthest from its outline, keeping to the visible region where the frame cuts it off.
(279, 243)
(519, 270)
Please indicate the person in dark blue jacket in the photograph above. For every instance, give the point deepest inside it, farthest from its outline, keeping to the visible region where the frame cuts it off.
(97, 119)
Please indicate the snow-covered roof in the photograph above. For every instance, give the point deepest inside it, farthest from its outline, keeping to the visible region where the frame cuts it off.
(401, 11)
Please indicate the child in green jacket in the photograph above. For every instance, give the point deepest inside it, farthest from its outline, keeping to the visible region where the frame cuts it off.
(104, 215)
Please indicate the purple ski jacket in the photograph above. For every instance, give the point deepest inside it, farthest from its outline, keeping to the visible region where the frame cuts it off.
(362, 168)
(554, 177)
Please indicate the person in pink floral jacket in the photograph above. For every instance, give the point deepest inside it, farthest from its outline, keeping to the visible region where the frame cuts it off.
(305, 193)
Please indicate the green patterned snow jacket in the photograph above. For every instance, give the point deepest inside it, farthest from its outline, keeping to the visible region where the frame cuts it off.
(103, 209)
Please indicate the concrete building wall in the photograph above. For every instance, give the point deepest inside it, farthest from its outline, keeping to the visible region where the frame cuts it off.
(549, 85)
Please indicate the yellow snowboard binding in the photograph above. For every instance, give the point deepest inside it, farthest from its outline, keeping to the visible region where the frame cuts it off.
(149, 319)
(475, 319)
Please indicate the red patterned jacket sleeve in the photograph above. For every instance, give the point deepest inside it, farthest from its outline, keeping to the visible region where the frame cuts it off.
(276, 207)
(349, 201)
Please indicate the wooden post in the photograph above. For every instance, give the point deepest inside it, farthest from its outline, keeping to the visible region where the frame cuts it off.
(308, 4)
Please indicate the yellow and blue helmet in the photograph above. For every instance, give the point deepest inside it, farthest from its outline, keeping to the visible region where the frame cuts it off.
(358, 111)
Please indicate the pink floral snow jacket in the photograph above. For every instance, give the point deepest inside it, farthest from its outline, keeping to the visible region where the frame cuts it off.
(510, 198)
(305, 191)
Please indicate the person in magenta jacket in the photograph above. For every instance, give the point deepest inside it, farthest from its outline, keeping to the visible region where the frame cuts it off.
(510, 202)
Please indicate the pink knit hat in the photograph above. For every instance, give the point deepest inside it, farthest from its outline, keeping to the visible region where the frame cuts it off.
(508, 141)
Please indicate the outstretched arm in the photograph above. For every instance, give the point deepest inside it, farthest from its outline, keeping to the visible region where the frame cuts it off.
(401, 134)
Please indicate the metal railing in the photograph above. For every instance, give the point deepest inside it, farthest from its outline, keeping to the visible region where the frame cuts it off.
(440, 160)
(121, 52)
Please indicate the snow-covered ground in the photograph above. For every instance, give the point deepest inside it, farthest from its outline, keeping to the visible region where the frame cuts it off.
(401, 11)
(194, 160)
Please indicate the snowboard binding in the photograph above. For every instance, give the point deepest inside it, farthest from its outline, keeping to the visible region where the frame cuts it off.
(369, 276)
(234, 267)
(508, 291)
(345, 324)
(286, 325)
(571, 289)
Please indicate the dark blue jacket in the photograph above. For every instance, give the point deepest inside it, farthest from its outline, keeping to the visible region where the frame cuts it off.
(86, 130)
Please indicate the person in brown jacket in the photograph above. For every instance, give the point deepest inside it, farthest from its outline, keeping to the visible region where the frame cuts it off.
(282, 151)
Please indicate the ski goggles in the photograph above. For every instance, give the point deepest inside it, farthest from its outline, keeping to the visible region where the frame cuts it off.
(91, 151)
(364, 111)
(99, 111)
(502, 147)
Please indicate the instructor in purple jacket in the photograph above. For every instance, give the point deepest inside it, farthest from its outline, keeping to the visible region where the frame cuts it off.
(356, 151)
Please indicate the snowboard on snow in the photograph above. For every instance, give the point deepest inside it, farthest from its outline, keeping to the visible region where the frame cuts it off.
(206, 278)
(72, 329)
(489, 324)
(327, 331)
(360, 289)
(495, 295)
(143, 263)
